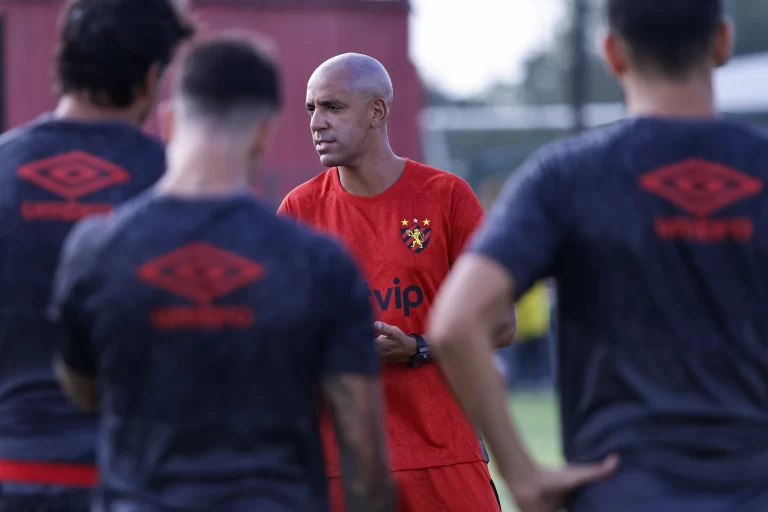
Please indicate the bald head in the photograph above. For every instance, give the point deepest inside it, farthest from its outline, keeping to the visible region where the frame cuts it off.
(356, 72)
(349, 98)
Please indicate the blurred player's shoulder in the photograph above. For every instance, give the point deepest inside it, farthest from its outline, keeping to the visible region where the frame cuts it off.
(87, 237)
(576, 156)
(645, 134)
(48, 126)
(752, 133)
(631, 146)
(92, 235)
(585, 145)
(115, 142)
(308, 193)
(17, 137)
(14, 135)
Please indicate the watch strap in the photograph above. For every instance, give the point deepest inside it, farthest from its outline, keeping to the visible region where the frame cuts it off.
(422, 352)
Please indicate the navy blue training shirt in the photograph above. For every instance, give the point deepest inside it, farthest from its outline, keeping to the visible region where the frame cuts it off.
(656, 231)
(208, 323)
(53, 173)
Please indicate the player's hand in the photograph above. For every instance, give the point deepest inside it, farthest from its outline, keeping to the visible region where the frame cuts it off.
(547, 490)
(394, 345)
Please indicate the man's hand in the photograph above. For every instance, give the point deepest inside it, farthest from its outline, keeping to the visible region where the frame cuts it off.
(547, 490)
(394, 345)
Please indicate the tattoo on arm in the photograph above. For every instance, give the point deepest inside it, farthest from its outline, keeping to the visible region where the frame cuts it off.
(357, 416)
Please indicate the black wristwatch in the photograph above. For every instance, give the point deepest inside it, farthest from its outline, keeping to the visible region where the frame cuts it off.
(422, 352)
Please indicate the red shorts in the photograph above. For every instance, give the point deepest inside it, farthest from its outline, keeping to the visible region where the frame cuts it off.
(457, 488)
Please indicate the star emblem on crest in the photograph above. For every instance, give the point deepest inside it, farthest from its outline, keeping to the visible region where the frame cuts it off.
(416, 234)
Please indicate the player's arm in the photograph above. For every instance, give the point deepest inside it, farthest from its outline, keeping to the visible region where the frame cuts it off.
(352, 386)
(517, 245)
(479, 287)
(358, 421)
(467, 215)
(74, 361)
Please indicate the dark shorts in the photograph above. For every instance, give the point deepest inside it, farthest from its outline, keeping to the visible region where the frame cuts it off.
(36, 498)
(644, 491)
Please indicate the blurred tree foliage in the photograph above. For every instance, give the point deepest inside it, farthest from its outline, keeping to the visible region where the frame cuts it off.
(751, 19)
(547, 72)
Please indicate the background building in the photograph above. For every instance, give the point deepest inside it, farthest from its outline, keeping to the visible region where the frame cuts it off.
(307, 32)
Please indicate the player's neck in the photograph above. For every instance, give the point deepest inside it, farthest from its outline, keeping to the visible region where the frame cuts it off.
(76, 108)
(205, 169)
(376, 173)
(658, 98)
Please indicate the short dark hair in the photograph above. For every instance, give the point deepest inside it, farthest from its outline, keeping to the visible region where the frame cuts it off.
(220, 76)
(671, 36)
(106, 47)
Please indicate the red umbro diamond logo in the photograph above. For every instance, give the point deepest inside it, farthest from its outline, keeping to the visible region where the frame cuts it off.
(200, 272)
(74, 174)
(700, 187)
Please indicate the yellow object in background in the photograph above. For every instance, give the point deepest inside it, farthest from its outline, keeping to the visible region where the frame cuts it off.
(533, 312)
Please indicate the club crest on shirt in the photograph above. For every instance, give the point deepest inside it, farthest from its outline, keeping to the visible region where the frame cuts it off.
(416, 234)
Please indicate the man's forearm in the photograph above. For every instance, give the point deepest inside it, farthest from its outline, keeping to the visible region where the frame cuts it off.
(433, 354)
(474, 379)
(503, 336)
(358, 422)
(375, 493)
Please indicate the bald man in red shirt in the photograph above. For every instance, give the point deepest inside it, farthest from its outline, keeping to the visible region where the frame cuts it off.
(406, 223)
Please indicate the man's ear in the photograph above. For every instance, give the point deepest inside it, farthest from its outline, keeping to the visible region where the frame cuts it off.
(379, 112)
(723, 42)
(615, 54)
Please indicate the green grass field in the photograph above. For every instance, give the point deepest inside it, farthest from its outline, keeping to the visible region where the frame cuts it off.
(536, 416)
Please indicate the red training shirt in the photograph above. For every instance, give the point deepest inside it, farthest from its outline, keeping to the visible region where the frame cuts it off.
(405, 240)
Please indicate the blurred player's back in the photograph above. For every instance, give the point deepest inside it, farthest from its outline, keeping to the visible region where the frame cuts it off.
(662, 297)
(210, 324)
(211, 347)
(53, 173)
(85, 158)
(656, 231)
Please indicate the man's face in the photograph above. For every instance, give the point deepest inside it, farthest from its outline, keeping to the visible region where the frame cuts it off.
(340, 119)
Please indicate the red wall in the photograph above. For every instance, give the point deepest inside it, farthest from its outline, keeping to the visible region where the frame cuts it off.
(306, 36)
(30, 35)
